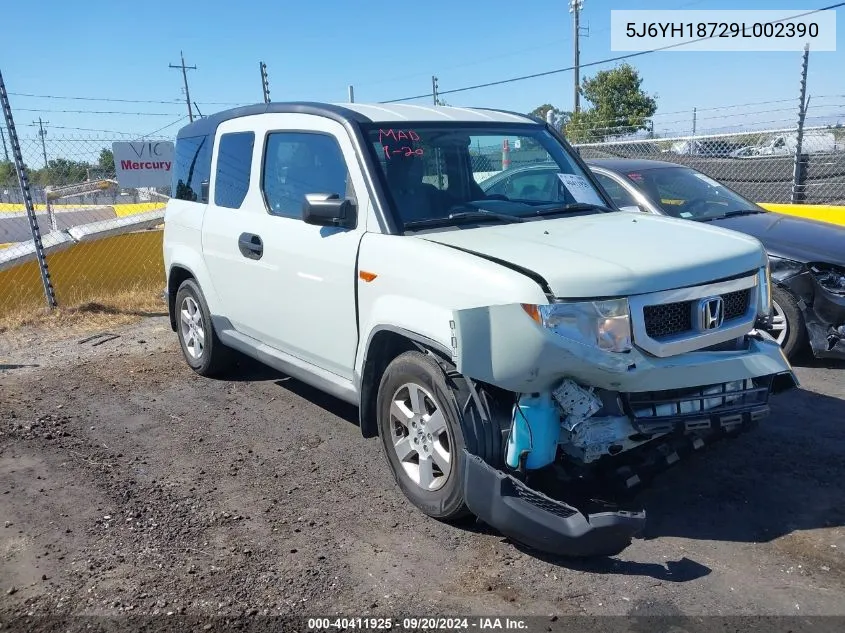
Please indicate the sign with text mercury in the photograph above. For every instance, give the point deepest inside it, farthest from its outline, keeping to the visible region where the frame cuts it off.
(143, 163)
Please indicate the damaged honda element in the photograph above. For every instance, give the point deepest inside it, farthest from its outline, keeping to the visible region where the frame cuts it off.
(512, 353)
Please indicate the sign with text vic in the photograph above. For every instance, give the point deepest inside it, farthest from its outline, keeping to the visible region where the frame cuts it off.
(143, 163)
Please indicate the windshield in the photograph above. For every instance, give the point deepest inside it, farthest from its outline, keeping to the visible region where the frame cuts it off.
(685, 193)
(441, 173)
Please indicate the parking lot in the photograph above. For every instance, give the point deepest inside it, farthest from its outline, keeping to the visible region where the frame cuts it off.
(130, 484)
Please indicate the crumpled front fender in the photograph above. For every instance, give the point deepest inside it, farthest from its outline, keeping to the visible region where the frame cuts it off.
(503, 346)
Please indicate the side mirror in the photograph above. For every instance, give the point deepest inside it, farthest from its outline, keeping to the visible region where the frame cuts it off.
(323, 209)
(631, 209)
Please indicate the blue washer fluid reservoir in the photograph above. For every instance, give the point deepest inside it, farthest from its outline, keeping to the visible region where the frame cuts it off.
(535, 428)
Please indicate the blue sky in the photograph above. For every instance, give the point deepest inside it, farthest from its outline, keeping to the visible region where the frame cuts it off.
(385, 49)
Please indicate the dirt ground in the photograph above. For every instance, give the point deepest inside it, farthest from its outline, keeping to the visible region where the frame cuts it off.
(130, 485)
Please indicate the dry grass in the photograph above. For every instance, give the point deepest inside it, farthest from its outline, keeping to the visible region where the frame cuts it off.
(95, 314)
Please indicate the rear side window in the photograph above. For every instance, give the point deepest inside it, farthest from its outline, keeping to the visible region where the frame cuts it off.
(191, 169)
(234, 162)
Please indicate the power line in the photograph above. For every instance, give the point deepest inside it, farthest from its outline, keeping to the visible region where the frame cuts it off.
(116, 100)
(596, 63)
(549, 44)
(95, 112)
(161, 129)
(83, 129)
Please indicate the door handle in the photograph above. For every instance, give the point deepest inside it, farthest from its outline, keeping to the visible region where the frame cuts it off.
(250, 245)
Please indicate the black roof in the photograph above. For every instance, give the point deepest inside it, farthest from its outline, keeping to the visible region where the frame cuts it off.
(626, 164)
(208, 125)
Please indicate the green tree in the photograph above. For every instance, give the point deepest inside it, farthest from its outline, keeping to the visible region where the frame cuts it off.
(8, 176)
(560, 117)
(63, 171)
(619, 105)
(106, 161)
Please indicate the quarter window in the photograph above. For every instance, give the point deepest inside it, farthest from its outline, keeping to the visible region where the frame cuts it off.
(234, 163)
(617, 193)
(191, 169)
(300, 163)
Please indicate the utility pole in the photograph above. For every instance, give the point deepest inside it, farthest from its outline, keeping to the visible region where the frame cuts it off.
(265, 83)
(575, 7)
(42, 133)
(185, 79)
(434, 89)
(799, 172)
(694, 122)
(5, 149)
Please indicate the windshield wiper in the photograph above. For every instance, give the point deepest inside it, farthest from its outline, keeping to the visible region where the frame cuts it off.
(573, 206)
(731, 214)
(461, 217)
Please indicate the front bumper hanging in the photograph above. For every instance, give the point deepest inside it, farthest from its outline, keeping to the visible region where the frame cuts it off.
(538, 521)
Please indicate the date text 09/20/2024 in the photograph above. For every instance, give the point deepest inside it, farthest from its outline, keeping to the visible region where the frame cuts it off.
(413, 624)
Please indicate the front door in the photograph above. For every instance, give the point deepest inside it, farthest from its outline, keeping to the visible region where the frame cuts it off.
(292, 285)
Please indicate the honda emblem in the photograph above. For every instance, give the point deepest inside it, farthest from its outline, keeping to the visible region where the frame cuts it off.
(711, 313)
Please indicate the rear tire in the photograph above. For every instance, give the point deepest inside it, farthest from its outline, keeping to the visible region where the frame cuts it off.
(423, 433)
(201, 348)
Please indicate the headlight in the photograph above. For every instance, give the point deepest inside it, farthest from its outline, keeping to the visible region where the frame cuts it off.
(602, 324)
(832, 279)
(764, 282)
(783, 268)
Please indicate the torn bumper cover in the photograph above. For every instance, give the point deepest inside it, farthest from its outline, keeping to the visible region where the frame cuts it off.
(538, 521)
(826, 324)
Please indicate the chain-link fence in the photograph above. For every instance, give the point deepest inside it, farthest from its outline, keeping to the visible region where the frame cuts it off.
(102, 242)
(760, 166)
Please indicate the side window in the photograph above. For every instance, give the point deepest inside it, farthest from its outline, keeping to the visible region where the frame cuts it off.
(300, 163)
(234, 162)
(191, 169)
(617, 193)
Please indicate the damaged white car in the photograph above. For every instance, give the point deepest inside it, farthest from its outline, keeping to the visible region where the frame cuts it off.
(512, 352)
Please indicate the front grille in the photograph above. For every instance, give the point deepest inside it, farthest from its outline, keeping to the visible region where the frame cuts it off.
(736, 303)
(690, 409)
(667, 319)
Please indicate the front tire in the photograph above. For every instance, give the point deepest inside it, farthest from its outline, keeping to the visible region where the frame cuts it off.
(424, 433)
(788, 327)
(201, 348)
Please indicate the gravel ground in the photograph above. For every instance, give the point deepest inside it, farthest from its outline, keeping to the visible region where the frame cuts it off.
(130, 485)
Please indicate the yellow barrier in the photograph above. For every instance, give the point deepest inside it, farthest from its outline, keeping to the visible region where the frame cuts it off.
(120, 210)
(86, 270)
(123, 210)
(822, 212)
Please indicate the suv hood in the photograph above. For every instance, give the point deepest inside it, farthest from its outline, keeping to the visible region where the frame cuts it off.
(612, 254)
(792, 237)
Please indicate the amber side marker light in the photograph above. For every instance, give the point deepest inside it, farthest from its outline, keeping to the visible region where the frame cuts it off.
(366, 276)
(532, 311)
